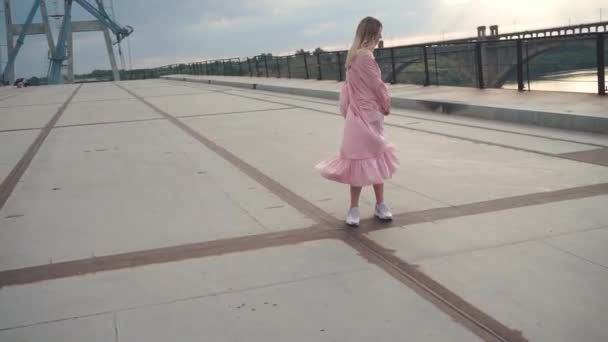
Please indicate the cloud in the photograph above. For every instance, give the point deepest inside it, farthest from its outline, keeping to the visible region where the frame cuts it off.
(318, 29)
(224, 23)
(288, 7)
(426, 38)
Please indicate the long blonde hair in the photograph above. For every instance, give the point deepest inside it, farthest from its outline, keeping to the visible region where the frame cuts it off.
(367, 33)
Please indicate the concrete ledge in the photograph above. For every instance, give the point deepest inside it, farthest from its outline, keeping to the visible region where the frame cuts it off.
(576, 122)
(216, 82)
(325, 94)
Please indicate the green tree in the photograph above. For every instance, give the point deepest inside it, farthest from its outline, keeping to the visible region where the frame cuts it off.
(318, 50)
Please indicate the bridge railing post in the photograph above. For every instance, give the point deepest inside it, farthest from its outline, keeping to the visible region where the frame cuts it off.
(266, 65)
(319, 66)
(520, 66)
(240, 67)
(306, 65)
(427, 78)
(288, 67)
(601, 64)
(436, 68)
(340, 78)
(479, 63)
(257, 67)
(278, 66)
(394, 78)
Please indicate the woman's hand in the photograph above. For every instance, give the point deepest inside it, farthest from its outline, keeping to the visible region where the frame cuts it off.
(387, 113)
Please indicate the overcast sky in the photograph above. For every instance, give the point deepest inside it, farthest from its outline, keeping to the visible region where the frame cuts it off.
(191, 30)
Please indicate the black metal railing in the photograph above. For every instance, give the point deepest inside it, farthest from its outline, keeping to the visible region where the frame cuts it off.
(569, 63)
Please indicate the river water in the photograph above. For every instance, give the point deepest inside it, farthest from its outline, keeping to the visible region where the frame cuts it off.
(581, 81)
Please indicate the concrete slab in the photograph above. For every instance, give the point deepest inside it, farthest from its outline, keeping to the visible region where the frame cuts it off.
(170, 282)
(316, 291)
(209, 103)
(548, 294)
(544, 145)
(35, 96)
(590, 245)
(12, 146)
(321, 309)
(418, 242)
(545, 132)
(166, 90)
(555, 102)
(13, 118)
(458, 172)
(147, 183)
(106, 111)
(99, 328)
(98, 92)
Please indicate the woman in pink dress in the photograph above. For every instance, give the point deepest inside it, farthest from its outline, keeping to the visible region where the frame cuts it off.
(365, 157)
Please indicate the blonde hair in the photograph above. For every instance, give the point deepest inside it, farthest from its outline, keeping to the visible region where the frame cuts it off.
(366, 36)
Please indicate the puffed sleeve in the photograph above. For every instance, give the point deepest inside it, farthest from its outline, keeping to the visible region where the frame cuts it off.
(371, 73)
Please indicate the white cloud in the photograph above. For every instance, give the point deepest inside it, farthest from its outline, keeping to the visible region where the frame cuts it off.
(286, 7)
(318, 29)
(521, 14)
(224, 23)
(426, 38)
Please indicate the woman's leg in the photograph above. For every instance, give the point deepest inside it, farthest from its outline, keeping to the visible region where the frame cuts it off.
(379, 191)
(355, 193)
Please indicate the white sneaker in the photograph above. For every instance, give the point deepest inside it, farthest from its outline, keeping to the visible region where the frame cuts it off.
(383, 212)
(352, 218)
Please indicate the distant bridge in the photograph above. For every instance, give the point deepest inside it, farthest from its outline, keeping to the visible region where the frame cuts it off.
(498, 55)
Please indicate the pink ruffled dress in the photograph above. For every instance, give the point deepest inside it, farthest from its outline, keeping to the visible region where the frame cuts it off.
(365, 157)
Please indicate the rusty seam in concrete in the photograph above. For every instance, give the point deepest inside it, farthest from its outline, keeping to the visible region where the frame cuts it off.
(10, 182)
(33, 105)
(109, 122)
(444, 299)
(20, 129)
(251, 242)
(231, 113)
(288, 196)
(160, 255)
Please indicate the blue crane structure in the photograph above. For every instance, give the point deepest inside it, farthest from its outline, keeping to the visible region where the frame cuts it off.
(58, 54)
